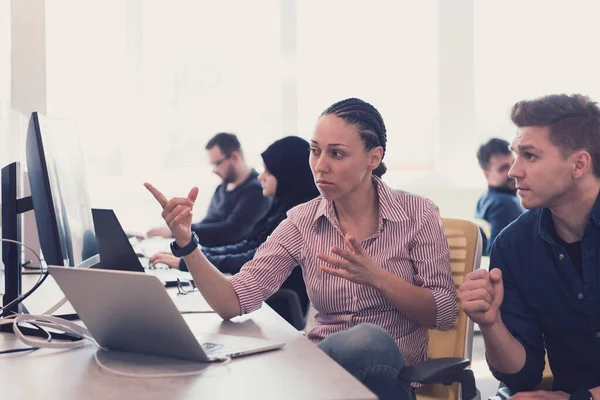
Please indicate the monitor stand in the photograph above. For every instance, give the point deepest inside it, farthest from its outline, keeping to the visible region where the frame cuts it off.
(12, 208)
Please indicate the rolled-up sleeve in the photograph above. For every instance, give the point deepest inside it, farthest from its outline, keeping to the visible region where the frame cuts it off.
(430, 255)
(522, 323)
(273, 262)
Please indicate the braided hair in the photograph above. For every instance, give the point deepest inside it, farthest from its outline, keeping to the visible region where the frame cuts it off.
(368, 122)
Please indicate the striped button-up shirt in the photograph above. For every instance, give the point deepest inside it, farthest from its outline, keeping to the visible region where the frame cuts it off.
(409, 242)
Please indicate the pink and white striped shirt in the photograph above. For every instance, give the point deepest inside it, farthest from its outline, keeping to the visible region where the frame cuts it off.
(409, 242)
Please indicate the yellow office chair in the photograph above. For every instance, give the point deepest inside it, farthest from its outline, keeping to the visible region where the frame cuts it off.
(450, 351)
(484, 225)
(547, 377)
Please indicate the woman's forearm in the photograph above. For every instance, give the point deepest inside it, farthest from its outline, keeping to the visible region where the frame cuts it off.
(417, 303)
(213, 285)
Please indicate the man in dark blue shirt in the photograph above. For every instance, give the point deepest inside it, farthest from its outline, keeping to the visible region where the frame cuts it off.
(499, 206)
(236, 205)
(543, 293)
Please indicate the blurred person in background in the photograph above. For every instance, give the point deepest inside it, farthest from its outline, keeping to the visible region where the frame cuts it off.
(288, 180)
(237, 204)
(499, 206)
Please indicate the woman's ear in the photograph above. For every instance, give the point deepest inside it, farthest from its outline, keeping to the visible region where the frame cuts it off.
(375, 157)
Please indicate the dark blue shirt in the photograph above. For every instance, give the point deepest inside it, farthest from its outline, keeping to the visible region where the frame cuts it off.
(546, 301)
(232, 214)
(499, 207)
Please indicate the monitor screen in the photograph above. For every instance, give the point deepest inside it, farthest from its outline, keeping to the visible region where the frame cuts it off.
(59, 193)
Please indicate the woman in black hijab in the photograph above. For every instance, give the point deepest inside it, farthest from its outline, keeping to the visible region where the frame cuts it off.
(288, 179)
(286, 160)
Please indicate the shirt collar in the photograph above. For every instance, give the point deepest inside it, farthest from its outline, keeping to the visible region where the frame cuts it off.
(389, 209)
(546, 225)
(595, 214)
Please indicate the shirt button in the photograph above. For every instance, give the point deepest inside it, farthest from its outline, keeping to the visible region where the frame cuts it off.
(580, 296)
(561, 256)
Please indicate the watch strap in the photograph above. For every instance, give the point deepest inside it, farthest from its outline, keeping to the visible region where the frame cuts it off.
(187, 249)
(581, 394)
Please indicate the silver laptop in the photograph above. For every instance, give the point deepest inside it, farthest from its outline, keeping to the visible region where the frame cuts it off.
(132, 312)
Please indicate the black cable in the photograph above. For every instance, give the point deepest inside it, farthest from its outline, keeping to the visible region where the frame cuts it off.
(41, 279)
(43, 333)
(48, 339)
(18, 350)
(21, 298)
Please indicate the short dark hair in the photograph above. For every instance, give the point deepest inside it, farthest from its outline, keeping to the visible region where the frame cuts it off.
(574, 122)
(367, 120)
(490, 148)
(227, 142)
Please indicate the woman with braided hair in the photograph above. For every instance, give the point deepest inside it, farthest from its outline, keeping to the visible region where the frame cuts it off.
(375, 260)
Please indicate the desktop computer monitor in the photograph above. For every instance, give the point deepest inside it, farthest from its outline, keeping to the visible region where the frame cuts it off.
(56, 171)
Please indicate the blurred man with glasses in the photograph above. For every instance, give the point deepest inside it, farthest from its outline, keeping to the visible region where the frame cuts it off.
(238, 202)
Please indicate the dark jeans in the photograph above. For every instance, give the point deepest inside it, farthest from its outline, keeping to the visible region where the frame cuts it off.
(370, 354)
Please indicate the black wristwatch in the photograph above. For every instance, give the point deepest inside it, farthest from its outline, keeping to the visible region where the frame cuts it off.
(581, 394)
(187, 249)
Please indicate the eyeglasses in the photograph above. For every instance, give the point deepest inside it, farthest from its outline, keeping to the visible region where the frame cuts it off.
(217, 164)
(181, 291)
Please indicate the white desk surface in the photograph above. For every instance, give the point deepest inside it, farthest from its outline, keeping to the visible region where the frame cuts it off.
(298, 371)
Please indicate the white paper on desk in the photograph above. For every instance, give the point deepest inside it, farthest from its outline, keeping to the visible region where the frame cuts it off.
(191, 302)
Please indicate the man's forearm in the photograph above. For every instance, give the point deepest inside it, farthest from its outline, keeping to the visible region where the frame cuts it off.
(504, 353)
(217, 234)
(595, 392)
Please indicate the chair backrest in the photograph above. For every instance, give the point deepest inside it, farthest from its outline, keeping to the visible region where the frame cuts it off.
(286, 303)
(484, 225)
(465, 242)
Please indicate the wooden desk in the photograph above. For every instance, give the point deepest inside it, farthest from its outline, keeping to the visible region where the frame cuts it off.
(298, 371)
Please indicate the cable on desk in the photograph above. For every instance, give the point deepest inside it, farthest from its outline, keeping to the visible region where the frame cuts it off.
(55, 307)
(71, 328)
(19, 350)
(41, 279)
(48, 338)
(44, 274)
(79, 333)
(225, 360)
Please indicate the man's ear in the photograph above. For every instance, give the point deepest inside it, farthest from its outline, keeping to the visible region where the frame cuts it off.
(581, 163)
(486, 173)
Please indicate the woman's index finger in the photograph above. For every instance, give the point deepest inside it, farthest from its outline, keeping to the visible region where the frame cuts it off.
(157, 194)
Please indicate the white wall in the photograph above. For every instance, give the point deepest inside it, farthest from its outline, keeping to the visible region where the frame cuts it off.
(28, 69)
(149, 92)
(5, 74)
(5, 38)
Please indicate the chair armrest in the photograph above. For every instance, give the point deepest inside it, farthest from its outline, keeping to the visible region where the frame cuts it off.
(445, 371)
(440, 370)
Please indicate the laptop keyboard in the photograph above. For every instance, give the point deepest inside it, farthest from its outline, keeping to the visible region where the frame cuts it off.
(211, 348)
(216, 348)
